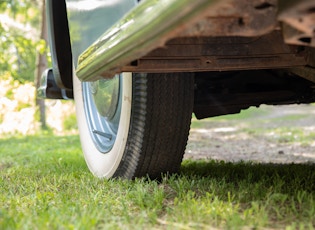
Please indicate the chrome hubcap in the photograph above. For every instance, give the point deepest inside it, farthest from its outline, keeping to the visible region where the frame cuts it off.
(102, 101)
(105, 96)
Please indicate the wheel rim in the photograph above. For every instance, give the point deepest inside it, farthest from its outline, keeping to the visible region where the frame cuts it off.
(102, 106)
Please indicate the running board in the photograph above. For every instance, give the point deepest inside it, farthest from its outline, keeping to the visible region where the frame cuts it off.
(148, 26)
(153, 37)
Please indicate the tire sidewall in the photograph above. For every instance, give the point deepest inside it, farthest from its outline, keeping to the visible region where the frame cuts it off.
(104, 164)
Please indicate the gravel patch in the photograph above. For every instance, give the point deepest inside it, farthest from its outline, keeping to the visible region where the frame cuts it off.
(273, 134)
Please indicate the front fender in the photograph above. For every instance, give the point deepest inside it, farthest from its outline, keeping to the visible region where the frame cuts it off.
(59, 40)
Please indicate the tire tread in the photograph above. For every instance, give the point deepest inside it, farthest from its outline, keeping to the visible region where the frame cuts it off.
(160, 120)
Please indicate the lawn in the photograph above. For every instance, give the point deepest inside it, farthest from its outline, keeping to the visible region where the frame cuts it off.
(44, 184)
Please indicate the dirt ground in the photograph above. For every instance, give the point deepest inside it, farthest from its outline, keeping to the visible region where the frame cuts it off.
(277, 134)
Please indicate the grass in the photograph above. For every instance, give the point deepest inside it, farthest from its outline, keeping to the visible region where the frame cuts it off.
(44, 184)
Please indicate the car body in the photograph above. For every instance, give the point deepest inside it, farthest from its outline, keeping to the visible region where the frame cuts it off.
(139, 69)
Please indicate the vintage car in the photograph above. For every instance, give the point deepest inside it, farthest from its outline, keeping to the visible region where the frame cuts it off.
(138, 70)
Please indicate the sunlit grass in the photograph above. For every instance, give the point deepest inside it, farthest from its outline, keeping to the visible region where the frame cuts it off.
(46, 185)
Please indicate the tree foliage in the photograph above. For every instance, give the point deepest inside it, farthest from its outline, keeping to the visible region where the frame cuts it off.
(19, 38)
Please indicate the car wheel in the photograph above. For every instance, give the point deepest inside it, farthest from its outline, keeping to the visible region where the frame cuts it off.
(134, 125)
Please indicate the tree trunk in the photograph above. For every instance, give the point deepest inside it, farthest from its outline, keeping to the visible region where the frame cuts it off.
(41, 65)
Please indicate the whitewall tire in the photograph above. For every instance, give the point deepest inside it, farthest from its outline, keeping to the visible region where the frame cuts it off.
(136, 127)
